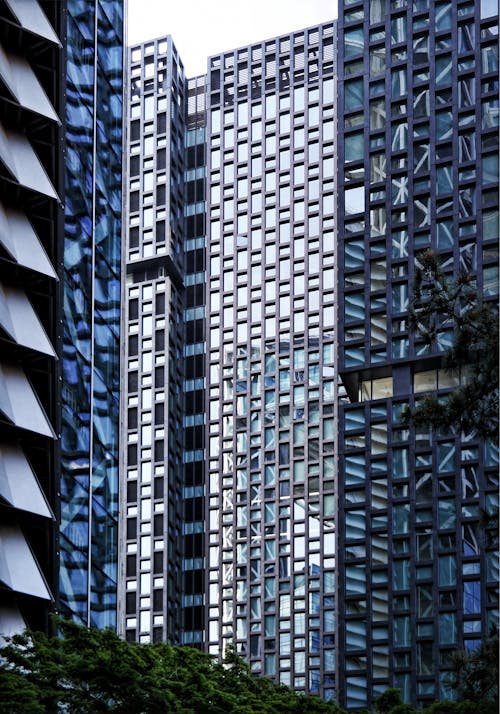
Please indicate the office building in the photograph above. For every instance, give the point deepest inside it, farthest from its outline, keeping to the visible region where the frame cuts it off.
(152, 499)
(31, 216)
(91, 313)
(61, 72)
(274, 224)
(418, 170)
(231, 176)
(270, 357)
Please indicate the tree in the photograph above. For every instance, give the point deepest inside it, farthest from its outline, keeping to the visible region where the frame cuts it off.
(440, 305)
(88, 671)
(388, 700)
(475, 673)
(18, 695)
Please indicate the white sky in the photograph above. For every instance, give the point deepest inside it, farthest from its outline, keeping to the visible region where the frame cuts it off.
(201, 28)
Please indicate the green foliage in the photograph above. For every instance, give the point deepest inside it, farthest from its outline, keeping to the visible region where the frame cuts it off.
(444, 707)
(402, 709)
(464, 707)
(388, 700)
(86, 671)
(476, 672)
(439, 306)
(18, 695)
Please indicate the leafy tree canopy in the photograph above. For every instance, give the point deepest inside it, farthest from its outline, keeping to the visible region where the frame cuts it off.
(443, 306)
(86, 671)
(476, 672)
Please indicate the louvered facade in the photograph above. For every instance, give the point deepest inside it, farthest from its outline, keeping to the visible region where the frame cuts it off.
(31, 218)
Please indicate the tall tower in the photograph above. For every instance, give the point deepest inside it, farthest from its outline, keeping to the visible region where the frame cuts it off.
(232, 344)
(418, 169)
(270, 369)
(31, 218)
(150, 590)
(91, 312)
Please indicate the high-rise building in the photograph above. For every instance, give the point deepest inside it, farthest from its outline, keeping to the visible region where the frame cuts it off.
(270, 357)
(91, 312)
(61, 71)
(150, 595)
(418, 170)
(268, 497)
(231, 390)
(31, 217)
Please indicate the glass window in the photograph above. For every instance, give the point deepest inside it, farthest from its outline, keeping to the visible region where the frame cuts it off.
(443, 69)
(355, 200)
(489, 58)
(443, 16)
(354, 470)
(377, 61)
(354, 147)
(490, 169)
(377, 114)
(313, 116)
(447, 570)
(402, 631)
(354, 254)
(298, 99)
(472, 597)
(377, 167)
(377, 11)
(401, 574)
(354, 41)
(355, 584)
(398, 30)
(354, 94)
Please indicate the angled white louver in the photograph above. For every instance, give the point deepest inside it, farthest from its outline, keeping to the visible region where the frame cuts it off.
(18, 483)
(23, 164)
(20, 321)
(21, 242)
(31, 17)
(19, 570)
(19, 403)
(24, 85)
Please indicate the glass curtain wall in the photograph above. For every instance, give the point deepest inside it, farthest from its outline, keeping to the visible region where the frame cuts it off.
(92, 254)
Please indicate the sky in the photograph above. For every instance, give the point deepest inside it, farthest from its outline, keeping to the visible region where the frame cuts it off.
(201, 28)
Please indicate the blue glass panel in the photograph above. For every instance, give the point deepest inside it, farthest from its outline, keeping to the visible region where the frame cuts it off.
(91, 308)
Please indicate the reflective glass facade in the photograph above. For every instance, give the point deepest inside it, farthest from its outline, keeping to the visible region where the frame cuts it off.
(92, 256)
(418, 169)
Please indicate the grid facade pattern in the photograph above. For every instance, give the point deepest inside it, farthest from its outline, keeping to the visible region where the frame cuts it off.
(91, 311)
(270, 371)
(151, 554)
(255, 312)
(418, 169)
